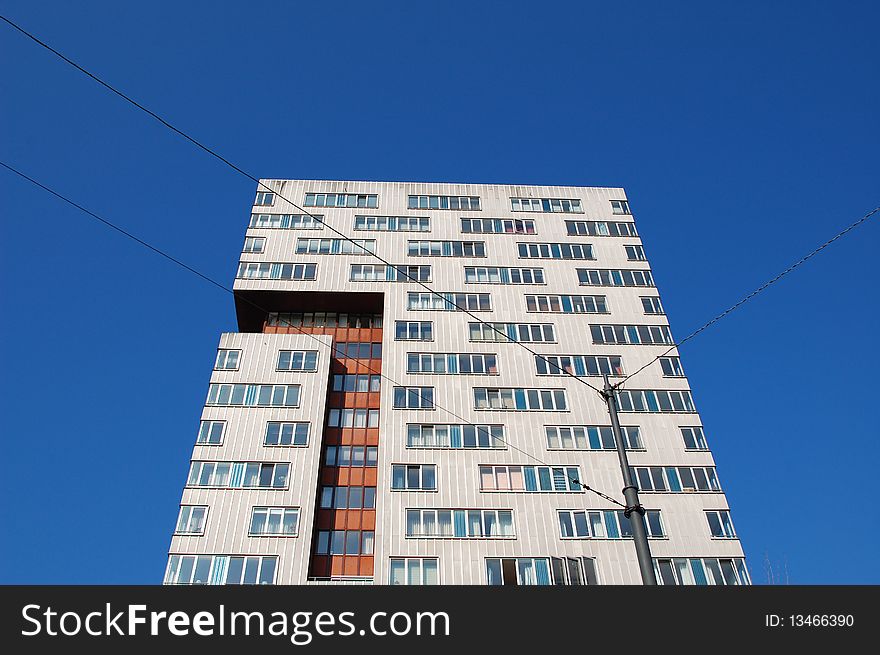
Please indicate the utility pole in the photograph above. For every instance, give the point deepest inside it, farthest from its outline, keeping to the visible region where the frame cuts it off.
(634, 510)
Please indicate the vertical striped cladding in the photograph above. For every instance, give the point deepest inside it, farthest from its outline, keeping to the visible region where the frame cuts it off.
(229, 510)
(462, 561)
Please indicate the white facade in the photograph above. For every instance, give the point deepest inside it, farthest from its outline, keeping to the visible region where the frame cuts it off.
(536, 524)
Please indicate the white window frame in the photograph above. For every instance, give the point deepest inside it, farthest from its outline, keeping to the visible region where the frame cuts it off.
(264, 199)
(353, 418)
(620, 208)
(283, 512)
(556, 304)
(429, 523)
(409, 569)
(419, 330)
(547, 479)
(536, 400)
(680, 569)
(605, 524)
(725, 523)
(286, 222)
(615, 277)
(405, 469)
(590, 434)
(224, 355)
(218, 568)
(423, 397)
(441, 436)
(697, 436)
(294, 427)
(297, 361)
(206, 429)
(188, 510)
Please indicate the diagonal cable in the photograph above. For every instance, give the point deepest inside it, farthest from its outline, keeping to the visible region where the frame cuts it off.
(754, 293)
(229, 290)
(210, 151)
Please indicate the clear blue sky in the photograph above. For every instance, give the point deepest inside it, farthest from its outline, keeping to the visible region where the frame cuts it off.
(744, 135)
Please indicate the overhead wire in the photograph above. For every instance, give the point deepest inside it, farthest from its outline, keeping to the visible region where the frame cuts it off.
(617, 385)
(260, 183)
(262, 309)
(744, 300)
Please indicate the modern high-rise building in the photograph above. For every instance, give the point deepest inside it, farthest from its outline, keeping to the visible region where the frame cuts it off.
(387, 423)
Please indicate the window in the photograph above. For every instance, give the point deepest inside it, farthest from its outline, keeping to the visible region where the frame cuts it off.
(675, 479)
(297, 360)
(287, 221)
(286, 433)
(191, 519)
(446, 248)
(554, 205)
(274, 522)
(607, 524)
(413, 397)
(276, 271)
(345, 542)
(526, 571)
(591, 437)
(227, 360)
(324, 319)
(501, 275)
(236, 475)
(414, 477)
(353, 418)
(413, 331)
(604, 277)
(393, 273)
(635, 253)
(632, 334)
(694, 438)
(578, 365)
(393, 223)
(460, 523)
(264, 199)
(520, 399)
(254, 244)
(720, 525)
(651, 305)
(464, 203)
(701, 571)
(567, 304)
(357, 456)
(600, 229)
(448, 302)
(530, 478)
(655, 402)
(342, 200)
(452, 363)
(442, 436)
(357, 383)
(220, 569)
(505, 332)
(335, 246)
(357, 350)
(574, 571)
(211, 433)
(620, 207)
(555, 250)
(348, 497)
(253, 395)
(497, 226)
(414, 571)
(671, 367)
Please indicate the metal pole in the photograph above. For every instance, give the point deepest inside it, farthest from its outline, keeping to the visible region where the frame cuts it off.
(634, 510)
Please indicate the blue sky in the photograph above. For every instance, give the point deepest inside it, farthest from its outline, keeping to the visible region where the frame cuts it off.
(744, 134)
